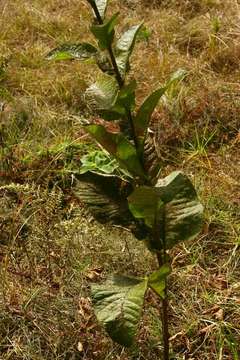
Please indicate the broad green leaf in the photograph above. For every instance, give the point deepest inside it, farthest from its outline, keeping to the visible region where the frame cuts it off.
(105, 198)
(118, 305)
(124, 48)
(103, 93)
(118, 146)
(81, 51)
(101, 6)
(176, 209)
(157, 280)
(105, 33)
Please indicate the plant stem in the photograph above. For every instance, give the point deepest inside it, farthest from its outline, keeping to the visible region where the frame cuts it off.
(164, 314)
(118, 76)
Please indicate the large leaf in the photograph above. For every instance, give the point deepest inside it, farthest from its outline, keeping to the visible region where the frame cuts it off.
(101, 6)
(105, 33)
(175, 207)
(81, 51)
(118, 306)
(103, 93)
(124, 48)
(157, 280)
(105, 198)
(118, 146)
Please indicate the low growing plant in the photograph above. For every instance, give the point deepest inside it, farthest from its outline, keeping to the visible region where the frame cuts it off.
(121, 184)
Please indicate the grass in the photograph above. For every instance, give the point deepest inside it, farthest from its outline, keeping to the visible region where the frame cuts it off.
(51, 250)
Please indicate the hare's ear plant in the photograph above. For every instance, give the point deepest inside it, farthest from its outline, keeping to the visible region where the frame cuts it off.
(120, 183)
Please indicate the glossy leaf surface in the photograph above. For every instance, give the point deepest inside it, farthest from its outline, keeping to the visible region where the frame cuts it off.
(118, 306)
(81, 51)
(101, 6)
(103, 93)
(124, 48)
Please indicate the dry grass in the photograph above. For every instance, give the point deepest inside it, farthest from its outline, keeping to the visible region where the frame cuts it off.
(50, 249)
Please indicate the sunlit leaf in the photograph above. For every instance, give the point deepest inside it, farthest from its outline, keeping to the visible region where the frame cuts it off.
(81, 51)
(157, 280)
(118, 305)
(105, 33)
(118, 146)
(101, 6)
(124, 48)
(103, 93)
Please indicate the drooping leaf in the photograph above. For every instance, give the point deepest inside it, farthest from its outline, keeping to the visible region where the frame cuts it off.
(124, 48)
(175, 208)
(118, 306)
(118, 146)
(105, 33)
(103, 93)
(81, 51)
(157, 280)
(105, 198)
